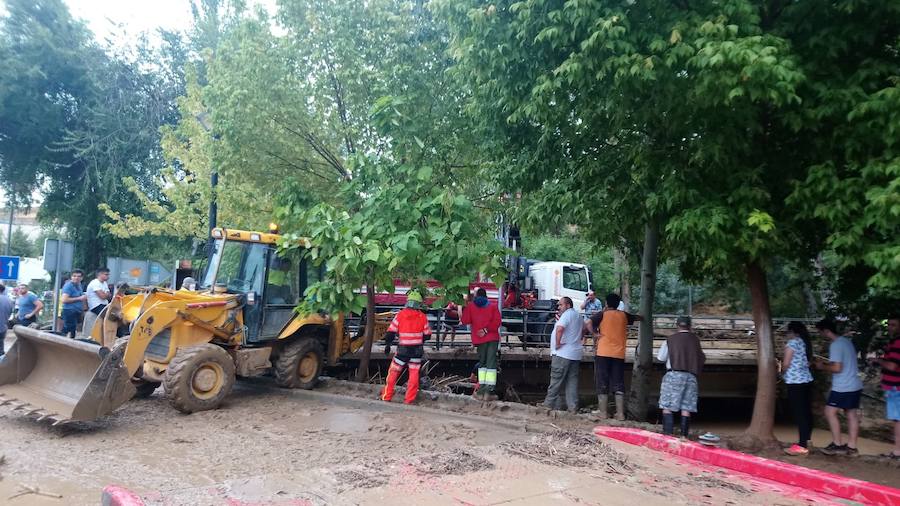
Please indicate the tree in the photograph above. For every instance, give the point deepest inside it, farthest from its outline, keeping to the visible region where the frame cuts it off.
(393, 222)
(76, 119)
(634, 115)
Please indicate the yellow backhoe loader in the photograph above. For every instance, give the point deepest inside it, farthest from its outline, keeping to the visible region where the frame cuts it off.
(240, 322)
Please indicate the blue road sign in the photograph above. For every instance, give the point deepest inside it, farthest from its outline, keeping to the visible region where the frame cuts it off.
(9, 267)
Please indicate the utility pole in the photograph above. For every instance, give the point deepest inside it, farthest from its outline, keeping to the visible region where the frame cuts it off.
(12, 211)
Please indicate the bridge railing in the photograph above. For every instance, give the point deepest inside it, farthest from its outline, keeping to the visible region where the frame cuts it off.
(532, 328)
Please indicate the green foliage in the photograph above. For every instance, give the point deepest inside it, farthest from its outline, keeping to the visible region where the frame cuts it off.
(76, 118)
(394, 223)
(20, 244)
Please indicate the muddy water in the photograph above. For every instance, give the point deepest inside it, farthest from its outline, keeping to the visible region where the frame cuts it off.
(270, 446)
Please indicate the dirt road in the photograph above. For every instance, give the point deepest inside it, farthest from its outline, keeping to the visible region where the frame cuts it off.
(270, 446)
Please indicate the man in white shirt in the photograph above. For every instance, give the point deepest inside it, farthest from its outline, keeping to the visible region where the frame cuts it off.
(97, 298)
(566, 347)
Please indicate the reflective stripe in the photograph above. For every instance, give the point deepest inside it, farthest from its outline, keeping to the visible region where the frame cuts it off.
(399, 362)
(490, 377)
(410, 334)
(411, 342)
(482, 373)
(414, 366)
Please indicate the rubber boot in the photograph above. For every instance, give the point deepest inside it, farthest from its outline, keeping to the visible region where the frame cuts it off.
(393, 375)
(602, 407)
(620, 407)
(685, 426)
(668, 424)
(412, 386)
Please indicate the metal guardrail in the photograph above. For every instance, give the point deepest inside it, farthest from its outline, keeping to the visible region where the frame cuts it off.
(532, 328)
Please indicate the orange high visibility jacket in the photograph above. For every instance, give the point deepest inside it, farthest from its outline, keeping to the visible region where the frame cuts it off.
(411, 327)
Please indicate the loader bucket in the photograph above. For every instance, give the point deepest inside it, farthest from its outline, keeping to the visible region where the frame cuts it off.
(62, 379)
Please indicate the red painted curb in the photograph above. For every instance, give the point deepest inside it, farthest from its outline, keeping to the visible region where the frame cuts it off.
(789, 474)
(114, 495)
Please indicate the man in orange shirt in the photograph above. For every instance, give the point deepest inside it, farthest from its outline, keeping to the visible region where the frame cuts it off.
(610, 328)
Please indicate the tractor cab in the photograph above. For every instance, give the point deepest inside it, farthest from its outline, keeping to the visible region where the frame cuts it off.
(247, 264)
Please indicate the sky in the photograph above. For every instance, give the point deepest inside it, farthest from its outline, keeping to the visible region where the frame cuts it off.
(137, 15)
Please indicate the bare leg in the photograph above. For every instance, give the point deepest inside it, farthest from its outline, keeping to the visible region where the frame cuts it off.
(831, 414)
(852, 427)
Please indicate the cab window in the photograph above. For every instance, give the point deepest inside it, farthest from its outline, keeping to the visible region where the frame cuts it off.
(283, 286)
(575, 278)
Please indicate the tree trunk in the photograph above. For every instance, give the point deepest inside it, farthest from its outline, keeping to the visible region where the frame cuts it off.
(638, 395)
(763, 420)
(363, 373)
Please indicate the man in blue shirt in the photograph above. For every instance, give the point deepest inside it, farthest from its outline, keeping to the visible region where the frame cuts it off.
(846, 389)
(73, 299)
(28, 304)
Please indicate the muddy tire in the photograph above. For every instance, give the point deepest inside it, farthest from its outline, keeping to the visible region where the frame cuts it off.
(300, 364)
(199, 378)
(145, 388)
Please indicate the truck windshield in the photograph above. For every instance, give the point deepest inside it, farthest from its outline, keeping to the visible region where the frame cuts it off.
(241, 266)
(575, 278)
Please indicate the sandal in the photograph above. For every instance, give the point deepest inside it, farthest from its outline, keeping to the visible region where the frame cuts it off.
(889, 455)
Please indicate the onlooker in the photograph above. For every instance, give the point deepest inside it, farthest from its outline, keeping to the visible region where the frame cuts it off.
(890, 381)
(73, 300)
(97, 298)
(846, 389)
(566, 348)
(6, 309)
(29, 306)
(187, 283)
(590, 305)
(484, 319)
(799, 381)
(511, 299)
(609, 363)
(684, 360)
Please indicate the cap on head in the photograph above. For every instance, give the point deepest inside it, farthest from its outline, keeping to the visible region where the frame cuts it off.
(683, 321)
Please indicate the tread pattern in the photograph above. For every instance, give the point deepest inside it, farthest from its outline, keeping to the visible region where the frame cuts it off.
(288, 362)
(181, 369)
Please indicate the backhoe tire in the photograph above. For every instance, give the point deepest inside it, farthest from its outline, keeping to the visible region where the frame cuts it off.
(145, 388)
(199, 378)
(300, 364)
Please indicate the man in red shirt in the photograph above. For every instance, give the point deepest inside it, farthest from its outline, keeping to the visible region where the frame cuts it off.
(890, 380)
(411, 327)
(484, 319)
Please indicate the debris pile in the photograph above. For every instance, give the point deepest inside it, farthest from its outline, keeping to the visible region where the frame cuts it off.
(570, 449)
(454, 462)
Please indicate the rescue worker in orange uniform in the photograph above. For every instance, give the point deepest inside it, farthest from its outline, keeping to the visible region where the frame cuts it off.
(411, 328)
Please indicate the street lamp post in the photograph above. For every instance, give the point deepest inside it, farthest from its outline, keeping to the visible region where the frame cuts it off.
(203, 119)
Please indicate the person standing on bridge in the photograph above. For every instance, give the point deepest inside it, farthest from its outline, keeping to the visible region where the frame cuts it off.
(684, 360)
(799, 381)
(411, 327)
(611, 336)
(484, 320)
(846, 389)
(890, 381)
(566, 348)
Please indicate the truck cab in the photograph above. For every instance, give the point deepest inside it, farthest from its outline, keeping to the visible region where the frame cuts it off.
(555, 280)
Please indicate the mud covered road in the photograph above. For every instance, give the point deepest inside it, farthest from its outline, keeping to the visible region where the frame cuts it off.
(270, 446)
